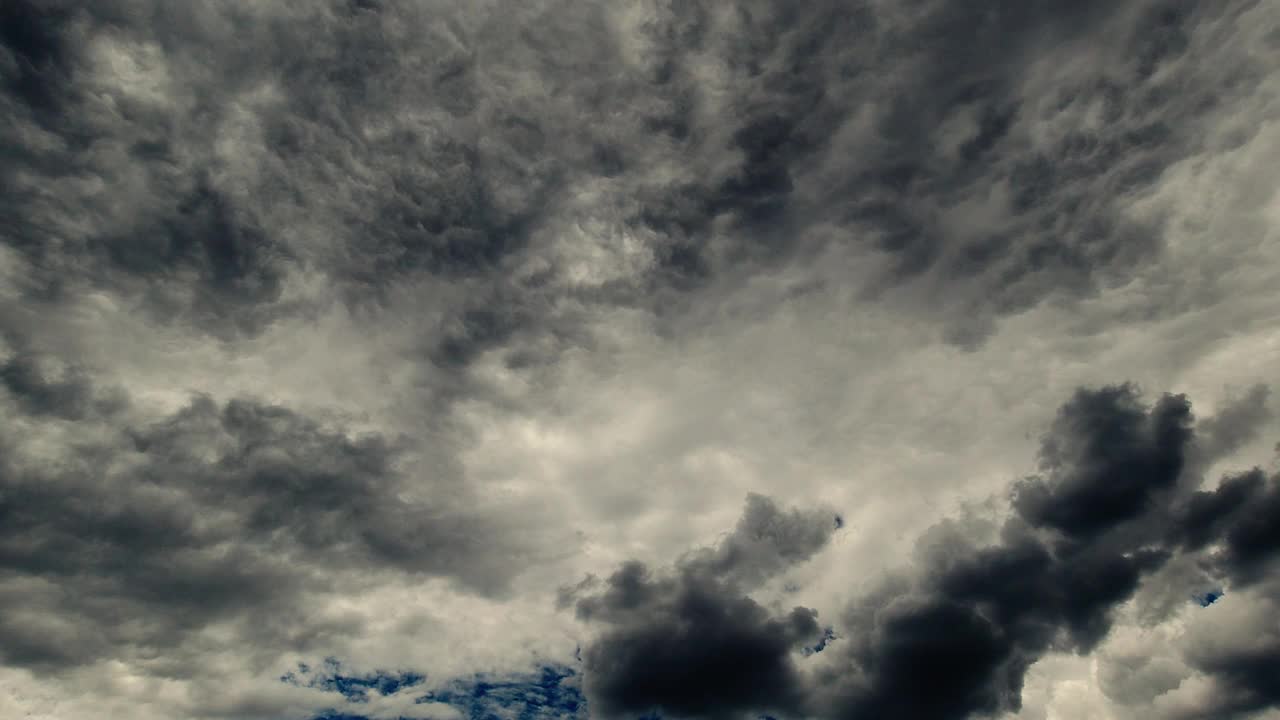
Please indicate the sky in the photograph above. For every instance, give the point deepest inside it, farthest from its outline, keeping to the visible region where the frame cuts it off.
(689, 359)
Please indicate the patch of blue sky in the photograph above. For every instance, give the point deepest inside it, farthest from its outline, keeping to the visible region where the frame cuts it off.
(330, 676)
(551, 693)
(1209, 598)
(828, 634)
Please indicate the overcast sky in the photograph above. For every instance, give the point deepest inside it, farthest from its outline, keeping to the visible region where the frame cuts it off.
(830, 360)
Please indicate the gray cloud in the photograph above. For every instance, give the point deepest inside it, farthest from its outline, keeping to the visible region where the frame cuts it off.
(926, 132)
(1107, 460)
(1235, 517)
(691, 643)
(979, 618)
(144, 533)
(1243, 667)
(956, 638)
(67, 393)
(439, 303)
(1235, 425)
(394, 143)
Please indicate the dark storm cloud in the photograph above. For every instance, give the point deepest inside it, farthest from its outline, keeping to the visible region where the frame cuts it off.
(379, 144)
(186, 199)
(100, 188)
(1108, 495)
(976, 624)
(978, 617)
(915, 128)
(237, 268)
(469, 174)
(1237, 520)
(1238, 517)
(67, 393)
(1105, 461)
(690, 643)
(1086, 533)
(38, 52)
(141, 533)
(956, 638)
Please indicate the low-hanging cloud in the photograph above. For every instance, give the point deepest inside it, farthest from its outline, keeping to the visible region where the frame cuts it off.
(690, 642)
(956, 637)
(145, 532)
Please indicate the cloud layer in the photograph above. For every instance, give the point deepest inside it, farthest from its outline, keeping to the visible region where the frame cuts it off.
(340, 341)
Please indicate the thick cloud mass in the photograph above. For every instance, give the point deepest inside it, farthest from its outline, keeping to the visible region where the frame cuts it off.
(977, 619)
(691, 643)
(1107, 460)
(197, 161)
(957, 639)
(144, 534)
(351, 334)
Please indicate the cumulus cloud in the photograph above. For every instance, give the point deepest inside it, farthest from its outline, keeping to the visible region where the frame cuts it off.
(691, 642)
(955, 637)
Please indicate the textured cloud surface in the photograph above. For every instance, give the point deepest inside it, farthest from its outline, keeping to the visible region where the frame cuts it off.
(430, 359)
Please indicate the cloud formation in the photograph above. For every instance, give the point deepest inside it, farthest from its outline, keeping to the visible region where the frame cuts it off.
(145, 534)
(377, 144)
(955, 637)
(691, 643)
(361, 329)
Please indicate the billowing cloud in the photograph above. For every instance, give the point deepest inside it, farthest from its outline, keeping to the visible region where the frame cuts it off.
(955, 637)
(691, 643)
